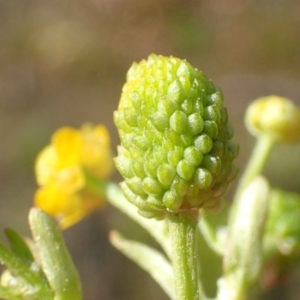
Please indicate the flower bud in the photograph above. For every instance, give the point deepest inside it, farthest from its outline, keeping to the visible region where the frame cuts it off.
(275, 117)
(175, 148)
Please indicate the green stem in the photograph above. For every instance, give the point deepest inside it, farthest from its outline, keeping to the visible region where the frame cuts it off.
(256, 163)
(182, 228)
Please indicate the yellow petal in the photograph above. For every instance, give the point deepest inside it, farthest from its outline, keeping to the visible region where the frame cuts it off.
(80, 205)
(70, 179)
(96, 154)
(52, 200)
(67, 142)
(64, 207)
(46, 164)
(67, 208)
(50, 170)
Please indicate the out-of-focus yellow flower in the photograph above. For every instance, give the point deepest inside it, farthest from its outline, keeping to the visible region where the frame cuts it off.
(66, 171)
(95, 154)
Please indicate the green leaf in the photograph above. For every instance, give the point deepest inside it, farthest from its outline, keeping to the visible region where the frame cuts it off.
(213, 236)
(243, 256)
(56, 261)
(19, 246)
(283, 226)
(158, 230)
(7, 294)
(33, 283)
(148, 259)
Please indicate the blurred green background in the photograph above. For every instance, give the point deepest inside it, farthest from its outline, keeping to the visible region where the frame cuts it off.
(64, 63)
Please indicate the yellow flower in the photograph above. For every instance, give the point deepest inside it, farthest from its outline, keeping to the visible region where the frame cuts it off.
(95, 153)
(65, 168)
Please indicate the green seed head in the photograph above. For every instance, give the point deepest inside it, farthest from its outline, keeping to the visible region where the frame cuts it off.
(175, 152)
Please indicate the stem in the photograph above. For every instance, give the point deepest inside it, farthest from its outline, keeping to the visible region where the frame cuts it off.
(182, 228)
(256, 163)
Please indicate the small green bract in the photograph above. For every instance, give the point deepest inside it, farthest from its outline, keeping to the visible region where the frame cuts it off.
(175, 151)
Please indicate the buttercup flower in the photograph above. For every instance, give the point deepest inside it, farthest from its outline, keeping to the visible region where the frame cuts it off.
(175, 151)
(66, 170)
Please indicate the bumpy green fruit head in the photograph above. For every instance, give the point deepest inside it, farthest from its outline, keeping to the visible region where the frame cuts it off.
(175, 151)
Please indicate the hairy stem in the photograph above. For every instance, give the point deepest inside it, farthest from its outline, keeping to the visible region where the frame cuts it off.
(182, 228)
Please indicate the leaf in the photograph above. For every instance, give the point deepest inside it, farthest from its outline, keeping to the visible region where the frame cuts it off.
(148, 259)
(242, 262)
(158, 230)
(56, 261)
(33, 283)
(19, 246)
(7, 294)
